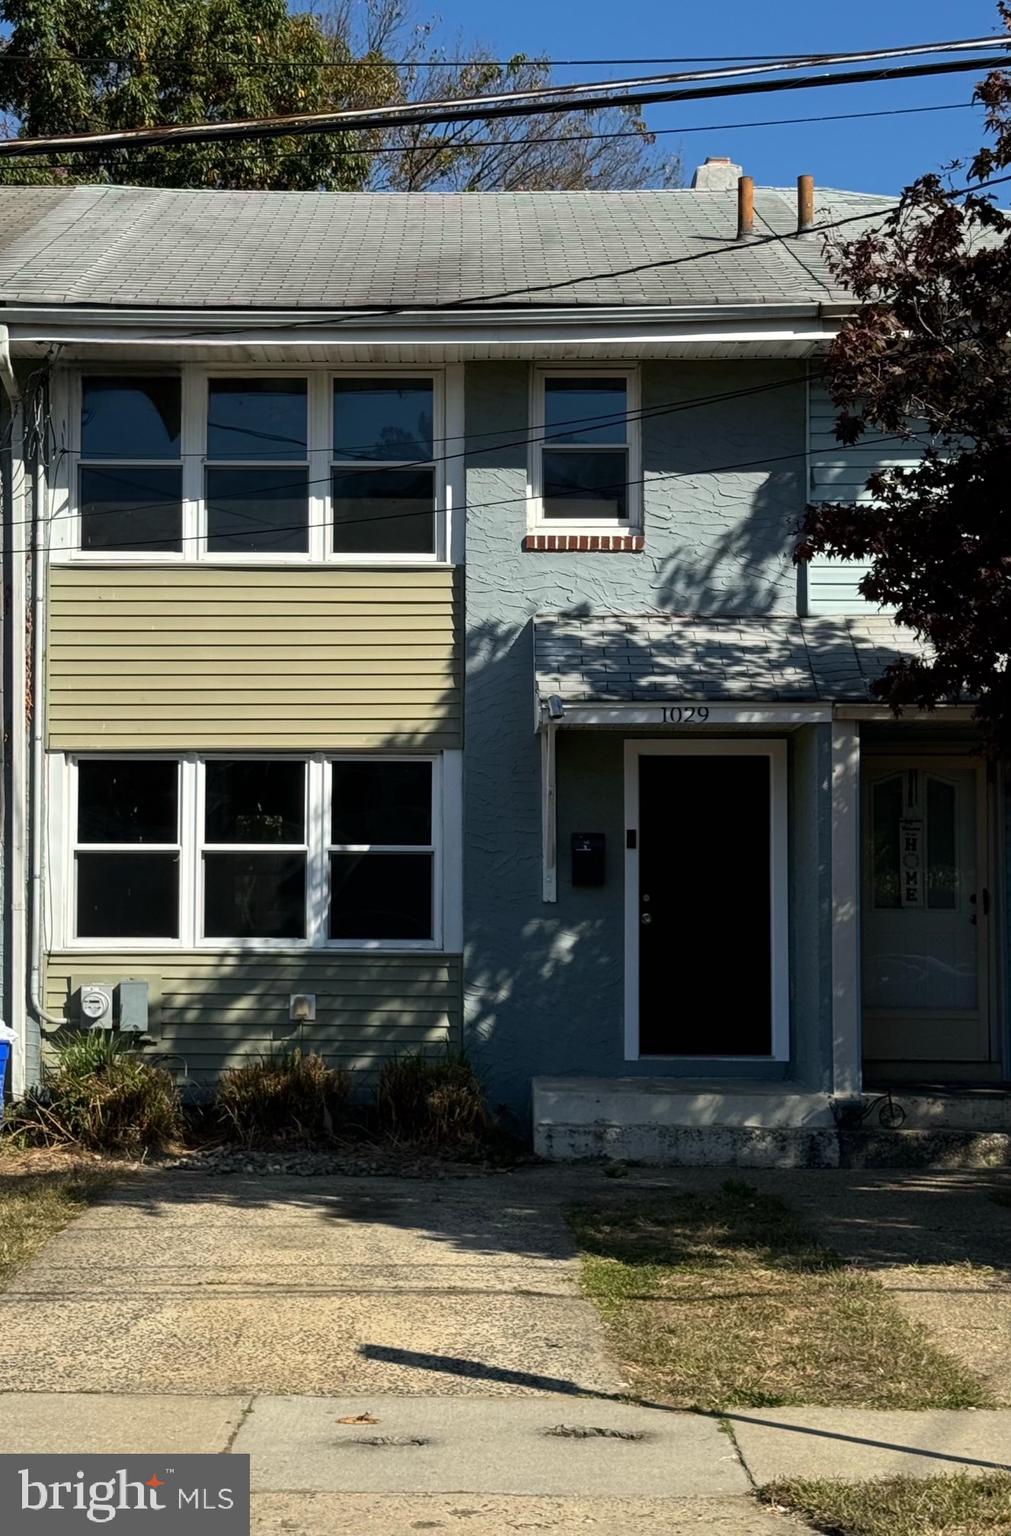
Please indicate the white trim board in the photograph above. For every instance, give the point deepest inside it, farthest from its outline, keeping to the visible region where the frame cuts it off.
(776, 751)
(692, 714)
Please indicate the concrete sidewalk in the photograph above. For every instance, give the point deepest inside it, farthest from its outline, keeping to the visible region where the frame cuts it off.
(544, 1446)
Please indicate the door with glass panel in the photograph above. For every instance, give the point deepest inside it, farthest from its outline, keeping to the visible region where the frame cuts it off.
(925, 911)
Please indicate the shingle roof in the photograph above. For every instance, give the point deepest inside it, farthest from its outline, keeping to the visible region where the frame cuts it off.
(652, 658)
(150, 247)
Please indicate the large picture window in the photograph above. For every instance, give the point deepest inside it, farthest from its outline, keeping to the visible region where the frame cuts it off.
(244, 466)
(585, 466)
(248, 850)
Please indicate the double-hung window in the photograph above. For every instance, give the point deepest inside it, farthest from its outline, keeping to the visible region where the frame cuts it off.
(585, 468)
(227, 851)
(226, 466)
(384, 471)
(127, 849)
(257, 473)
(130, 477)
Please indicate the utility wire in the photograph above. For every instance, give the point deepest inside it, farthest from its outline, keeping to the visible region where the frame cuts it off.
(480, 506)
(39, 56)
(478, 301)
(551, 99)
(428, 145)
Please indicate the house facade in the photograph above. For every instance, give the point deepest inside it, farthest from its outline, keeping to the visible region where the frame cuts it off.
(413, 657)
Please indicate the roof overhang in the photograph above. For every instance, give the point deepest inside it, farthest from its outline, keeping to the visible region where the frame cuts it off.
(783, 330)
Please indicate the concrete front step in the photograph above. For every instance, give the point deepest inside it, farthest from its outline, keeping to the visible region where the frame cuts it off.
(682, 1122)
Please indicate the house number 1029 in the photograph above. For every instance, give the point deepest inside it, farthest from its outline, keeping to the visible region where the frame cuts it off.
(686, 714)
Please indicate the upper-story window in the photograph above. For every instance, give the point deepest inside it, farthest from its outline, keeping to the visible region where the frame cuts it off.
(130, 478)
(384, 471)
(257, 485)
(585, 469)
(220, 465)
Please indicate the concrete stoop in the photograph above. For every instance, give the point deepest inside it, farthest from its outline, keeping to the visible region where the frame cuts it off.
(678, 1122)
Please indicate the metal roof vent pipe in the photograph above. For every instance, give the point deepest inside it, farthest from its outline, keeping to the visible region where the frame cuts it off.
(718, 173)
(805, 204)
(745, 207)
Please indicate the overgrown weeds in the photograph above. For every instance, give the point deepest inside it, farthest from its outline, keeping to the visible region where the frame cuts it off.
(100, 1093)
(286, 1097)
(436, 1101)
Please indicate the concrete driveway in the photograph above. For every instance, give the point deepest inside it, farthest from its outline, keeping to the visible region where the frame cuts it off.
(181, 1282)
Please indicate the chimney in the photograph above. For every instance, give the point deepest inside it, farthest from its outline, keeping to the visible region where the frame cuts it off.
(745, 207)
(805, 204)
(718, 174)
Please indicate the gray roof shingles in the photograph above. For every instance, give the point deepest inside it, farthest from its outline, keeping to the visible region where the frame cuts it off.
(652, 658)
(137, 246)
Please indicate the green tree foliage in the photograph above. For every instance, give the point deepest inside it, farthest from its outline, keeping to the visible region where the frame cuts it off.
(928, 345)
(71, 66)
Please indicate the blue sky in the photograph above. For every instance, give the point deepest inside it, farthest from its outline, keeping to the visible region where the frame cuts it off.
(876, 154)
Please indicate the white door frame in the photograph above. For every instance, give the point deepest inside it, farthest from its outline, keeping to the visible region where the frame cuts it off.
(939, 758)
(776, 752)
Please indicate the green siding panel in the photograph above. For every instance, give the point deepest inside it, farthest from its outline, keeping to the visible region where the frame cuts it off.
(217, 1009)
(287, 658)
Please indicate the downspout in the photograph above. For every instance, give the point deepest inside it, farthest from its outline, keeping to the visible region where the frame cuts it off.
(38, 781)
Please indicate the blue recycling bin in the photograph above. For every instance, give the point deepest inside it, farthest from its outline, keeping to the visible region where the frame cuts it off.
(5, 1052)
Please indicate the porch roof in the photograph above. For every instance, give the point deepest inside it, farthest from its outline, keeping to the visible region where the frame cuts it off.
(655, 658)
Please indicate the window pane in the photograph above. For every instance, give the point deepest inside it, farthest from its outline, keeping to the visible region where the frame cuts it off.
(384, 511)
(382, 418)
(942, 865)
(381, 896)
(256, 419)
(127, 801)
(254, 895)
(258, 511)
(128, 895)
(585, 486)
(254, 802)
(887, 814)
(585, 410)
(382, 803)
(129, 418)
(132, 508)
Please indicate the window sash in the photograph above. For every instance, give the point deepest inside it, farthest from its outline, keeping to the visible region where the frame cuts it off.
(78, 849)
(191, 847)
(541, 440)
(320, 461)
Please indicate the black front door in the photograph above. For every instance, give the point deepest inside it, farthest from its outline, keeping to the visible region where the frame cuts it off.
(705, 977)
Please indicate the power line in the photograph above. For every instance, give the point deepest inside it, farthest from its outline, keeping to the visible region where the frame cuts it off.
(521, 58)
(500, 443)
(765, 61)
(629, 133)
(504, 501)
(478, 301)
(591, 96)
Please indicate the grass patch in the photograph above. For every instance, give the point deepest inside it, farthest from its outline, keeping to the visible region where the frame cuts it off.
(723, 1300)
(35, 1206)
(906, 1506)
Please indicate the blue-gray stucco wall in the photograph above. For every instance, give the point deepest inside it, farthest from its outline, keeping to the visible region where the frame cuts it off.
(545, 982)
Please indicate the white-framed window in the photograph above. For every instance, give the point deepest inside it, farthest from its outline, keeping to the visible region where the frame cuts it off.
(254, 465)
(247, 850)
(585, 468)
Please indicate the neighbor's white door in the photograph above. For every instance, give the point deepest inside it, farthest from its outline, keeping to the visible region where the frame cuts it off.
(924, 911)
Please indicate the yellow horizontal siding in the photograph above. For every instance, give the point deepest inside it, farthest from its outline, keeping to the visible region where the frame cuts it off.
(283, 658)
(217, 1010)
